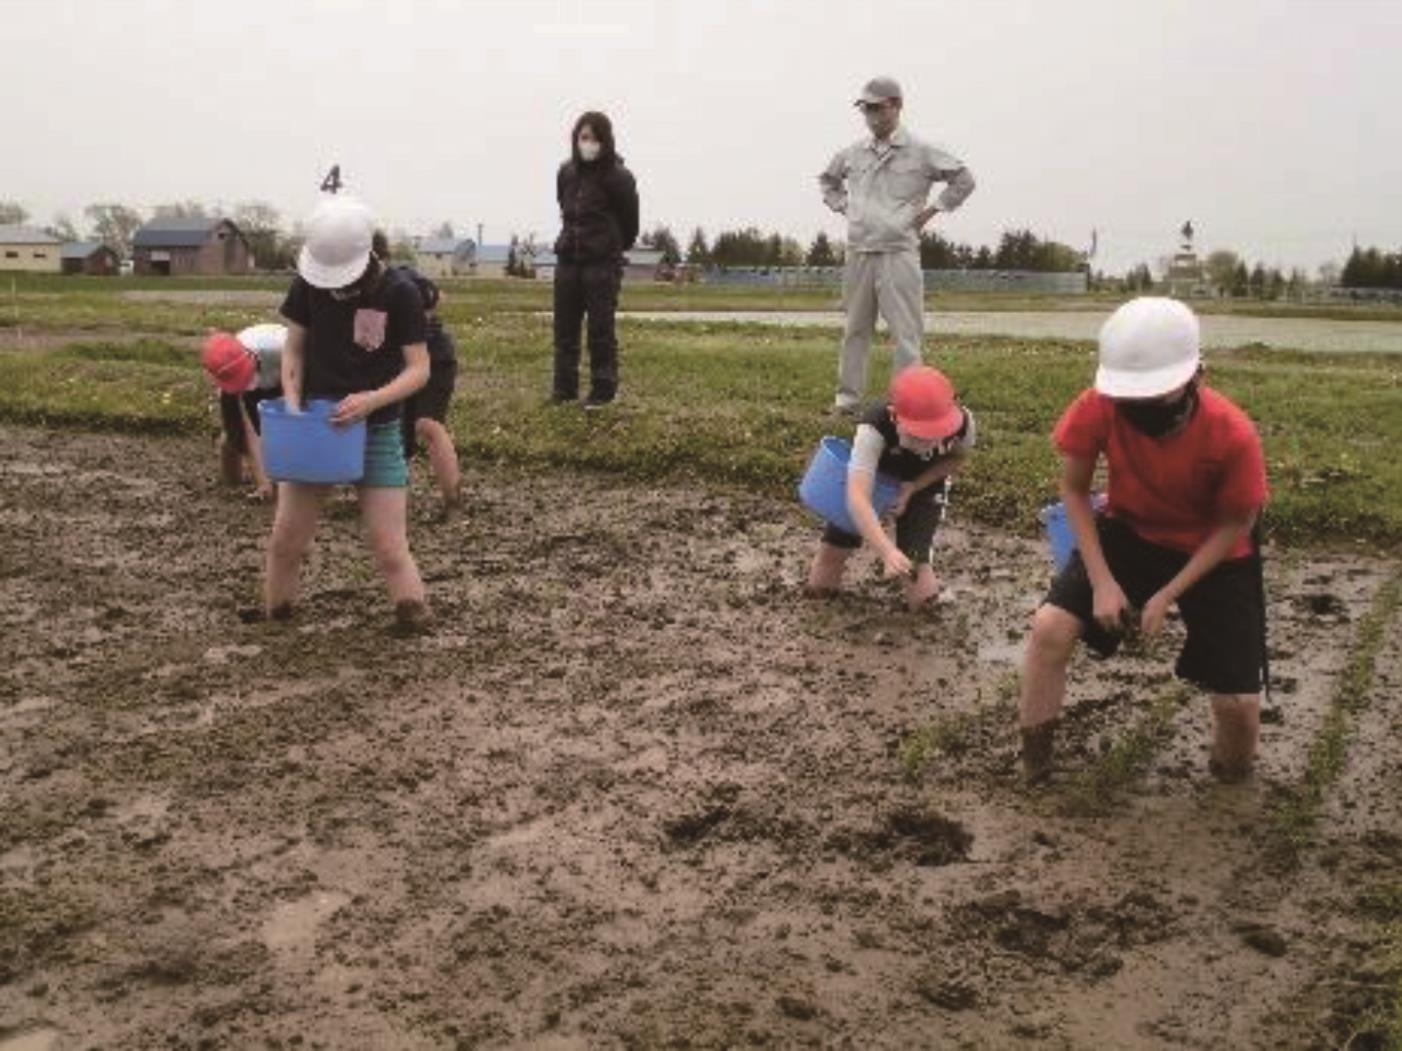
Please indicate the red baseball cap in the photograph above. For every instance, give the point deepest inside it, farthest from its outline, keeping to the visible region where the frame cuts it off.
(228, 362)
(923, 402)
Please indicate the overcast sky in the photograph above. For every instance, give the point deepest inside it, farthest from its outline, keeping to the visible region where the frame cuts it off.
(1275, 125)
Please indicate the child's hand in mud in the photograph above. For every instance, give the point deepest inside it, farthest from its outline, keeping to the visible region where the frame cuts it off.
(897, 563)
(1151, 620)
(262, 493)
(1109, 607)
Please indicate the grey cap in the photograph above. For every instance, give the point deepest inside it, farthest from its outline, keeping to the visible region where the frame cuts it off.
(879, 89)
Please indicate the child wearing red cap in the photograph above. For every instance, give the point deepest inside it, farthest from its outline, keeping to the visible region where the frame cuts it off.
(247, 369)
(921, 436)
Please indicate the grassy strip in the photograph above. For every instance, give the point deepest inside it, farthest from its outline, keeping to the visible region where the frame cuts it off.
(746, 405)
(1296, 816)
(1100, 786)
(479, 295)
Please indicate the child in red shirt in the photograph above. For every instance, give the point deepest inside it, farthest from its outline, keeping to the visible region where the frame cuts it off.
(1186, 480)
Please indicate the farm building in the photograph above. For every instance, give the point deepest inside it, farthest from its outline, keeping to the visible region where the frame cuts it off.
(29, 248)
(90, 257)
(207, 246)
(543, 263)
(491, 260)
(446, 256)
(643, 264)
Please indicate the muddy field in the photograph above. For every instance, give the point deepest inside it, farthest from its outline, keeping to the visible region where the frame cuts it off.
(634, 790)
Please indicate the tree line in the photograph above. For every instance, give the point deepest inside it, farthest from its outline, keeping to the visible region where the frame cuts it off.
(751, 247)
(1372, 268)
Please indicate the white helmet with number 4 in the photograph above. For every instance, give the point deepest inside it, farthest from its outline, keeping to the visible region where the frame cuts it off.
(337, 249)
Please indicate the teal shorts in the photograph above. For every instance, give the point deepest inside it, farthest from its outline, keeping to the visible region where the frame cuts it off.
(385, 466)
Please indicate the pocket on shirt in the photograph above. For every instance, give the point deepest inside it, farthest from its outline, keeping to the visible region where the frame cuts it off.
(369, 329)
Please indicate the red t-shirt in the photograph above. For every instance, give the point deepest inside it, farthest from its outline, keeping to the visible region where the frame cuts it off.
(1176, 490)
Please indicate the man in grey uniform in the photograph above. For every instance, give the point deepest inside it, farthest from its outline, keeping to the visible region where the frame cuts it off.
(881, 184)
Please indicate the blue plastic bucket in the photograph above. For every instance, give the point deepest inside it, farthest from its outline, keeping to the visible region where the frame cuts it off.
(824, 486)
(1060, 537)
(305, 446)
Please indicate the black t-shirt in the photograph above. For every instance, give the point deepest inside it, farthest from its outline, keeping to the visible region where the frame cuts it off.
(905, 464)
(356, 344)
(441, 349)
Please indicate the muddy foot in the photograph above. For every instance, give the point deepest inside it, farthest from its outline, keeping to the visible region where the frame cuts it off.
(412, 617)
(259, 614)
(1038, 752)
(451, 505)
(1229, 773)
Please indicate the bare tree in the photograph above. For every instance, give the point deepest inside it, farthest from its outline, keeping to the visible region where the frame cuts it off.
(12, 213)
(62, 227)
(114, 225)
(1221, 269)
(261, 225)
(190, 209)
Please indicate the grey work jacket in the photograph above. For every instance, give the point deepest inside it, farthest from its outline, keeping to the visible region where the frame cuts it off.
(881, 191)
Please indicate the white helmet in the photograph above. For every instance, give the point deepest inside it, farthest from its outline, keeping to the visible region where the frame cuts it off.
(1149, 346)
(337, 248)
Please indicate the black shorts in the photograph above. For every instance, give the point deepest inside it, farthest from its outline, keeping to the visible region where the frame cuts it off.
(430, 402)
(1222, 611)
(915, 529)
(232, 420)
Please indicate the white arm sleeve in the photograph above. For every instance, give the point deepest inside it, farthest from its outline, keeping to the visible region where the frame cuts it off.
(867, 447)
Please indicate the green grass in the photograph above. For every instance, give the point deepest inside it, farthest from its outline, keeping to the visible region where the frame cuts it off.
(949, 735)
(1096, 790)
(1296, 815)
(467, 297)
(727, 404)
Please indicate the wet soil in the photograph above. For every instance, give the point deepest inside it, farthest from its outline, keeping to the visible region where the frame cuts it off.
(633, 790)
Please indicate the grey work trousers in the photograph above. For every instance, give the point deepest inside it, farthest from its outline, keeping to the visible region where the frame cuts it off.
(891, 284)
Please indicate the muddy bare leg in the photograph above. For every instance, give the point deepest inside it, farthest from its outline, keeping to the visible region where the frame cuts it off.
(1049, 647)
(294, 526)
(829, 563)
(1236, 719)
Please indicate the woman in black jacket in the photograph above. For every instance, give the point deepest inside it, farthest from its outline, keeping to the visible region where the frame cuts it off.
(599, 222)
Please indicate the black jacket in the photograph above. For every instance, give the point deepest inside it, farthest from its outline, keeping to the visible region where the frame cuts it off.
(598, 211)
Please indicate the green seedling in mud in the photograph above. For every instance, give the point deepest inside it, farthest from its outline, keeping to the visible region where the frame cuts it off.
(1297, 814)
(1379, 1022)
(1099, 787)
(951, 735)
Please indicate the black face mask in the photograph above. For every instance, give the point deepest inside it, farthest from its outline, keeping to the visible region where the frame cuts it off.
(1157, 418)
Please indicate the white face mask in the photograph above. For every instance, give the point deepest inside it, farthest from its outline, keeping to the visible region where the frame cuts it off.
(589, 151)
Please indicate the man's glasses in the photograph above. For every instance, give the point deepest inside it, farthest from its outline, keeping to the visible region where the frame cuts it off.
(874, 107)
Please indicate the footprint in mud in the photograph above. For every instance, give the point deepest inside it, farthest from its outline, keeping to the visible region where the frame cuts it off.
(1085, 940)
(691, 829)
(1324, 605)
(922, 837)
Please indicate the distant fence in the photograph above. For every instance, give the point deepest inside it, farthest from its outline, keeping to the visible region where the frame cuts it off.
(1036, 281)
(1367, 295)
